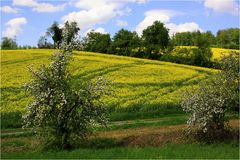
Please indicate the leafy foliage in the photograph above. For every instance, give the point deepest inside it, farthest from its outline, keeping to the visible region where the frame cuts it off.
(43, 42)
(209, 103)
(56, 33)
(155, 37)
(192, 38)
(192, 56)
(124, 42)
(228, 38)
(97, 42)
(70, 32)
(59, 109)
(8, 43)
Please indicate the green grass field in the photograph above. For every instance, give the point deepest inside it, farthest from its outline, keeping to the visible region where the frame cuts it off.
(180, 151)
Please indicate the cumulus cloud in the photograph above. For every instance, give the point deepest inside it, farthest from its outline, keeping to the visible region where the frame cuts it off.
(8, 9)
(25, 3)
(99, 30)
(227, 6)
(165, 16)
(14, 27)
(184, 27)
(88, 18)
(39, 7)
(46, 7)
(121, 23)
(98, 12)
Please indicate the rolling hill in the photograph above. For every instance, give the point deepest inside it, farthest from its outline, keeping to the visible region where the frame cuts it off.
(138, 84)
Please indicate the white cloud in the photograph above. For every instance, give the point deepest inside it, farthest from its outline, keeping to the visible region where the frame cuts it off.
(122, 23)
(88, 18)
(184, 27)
(227, 6)
(39, 7)
(14, 27)
(25, 3)
(99, 30)
(46, 7)
(165, 16)
(8, 9)
(98, 12)
(124, 12)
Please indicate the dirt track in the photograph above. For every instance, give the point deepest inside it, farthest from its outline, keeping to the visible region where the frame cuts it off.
(152, 136)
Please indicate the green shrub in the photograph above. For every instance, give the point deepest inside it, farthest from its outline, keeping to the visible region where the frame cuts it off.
(209, 104)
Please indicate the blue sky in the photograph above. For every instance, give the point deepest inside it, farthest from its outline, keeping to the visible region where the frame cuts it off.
(29, 19)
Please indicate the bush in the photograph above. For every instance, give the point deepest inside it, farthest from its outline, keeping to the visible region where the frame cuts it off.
(209, 103)
(192, 56)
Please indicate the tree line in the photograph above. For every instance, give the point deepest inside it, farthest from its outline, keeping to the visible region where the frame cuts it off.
(154, 43)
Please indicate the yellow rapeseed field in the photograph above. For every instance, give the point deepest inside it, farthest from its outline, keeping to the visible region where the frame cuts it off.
(136, 82)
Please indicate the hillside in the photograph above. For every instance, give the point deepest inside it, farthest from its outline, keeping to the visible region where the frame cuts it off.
(138, 84)
(145, 117)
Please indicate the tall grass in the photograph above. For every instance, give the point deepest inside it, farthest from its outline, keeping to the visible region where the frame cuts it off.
(176, 151)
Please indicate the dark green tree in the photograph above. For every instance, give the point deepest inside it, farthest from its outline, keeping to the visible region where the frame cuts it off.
(8, 43)
(210, 38)
(201, 55)
(228, 38)
(56, 33)
(125, 41)
(97, 42)
(183, 39)
(155, 38)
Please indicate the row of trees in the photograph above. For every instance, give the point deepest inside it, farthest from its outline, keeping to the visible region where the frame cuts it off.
(154, 39)
(154, 43)
(124, 41)
(227, 38)
(11, 43)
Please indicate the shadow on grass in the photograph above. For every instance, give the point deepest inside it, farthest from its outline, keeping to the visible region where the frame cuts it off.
(11, 120)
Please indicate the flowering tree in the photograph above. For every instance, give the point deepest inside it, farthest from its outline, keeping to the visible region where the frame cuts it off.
(219, 94)
(60, 110)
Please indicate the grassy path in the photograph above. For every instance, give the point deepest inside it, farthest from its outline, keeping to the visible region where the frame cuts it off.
(147, 141)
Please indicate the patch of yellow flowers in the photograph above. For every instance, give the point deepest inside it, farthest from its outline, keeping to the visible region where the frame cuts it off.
(136, 82)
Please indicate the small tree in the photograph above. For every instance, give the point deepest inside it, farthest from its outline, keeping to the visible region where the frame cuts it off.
(8, 43)
(125, 41)
(97, 42)
(43, 43)
(61, 110)
(201, 55)
(209, 104)
(70, 32)
(56, 33)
